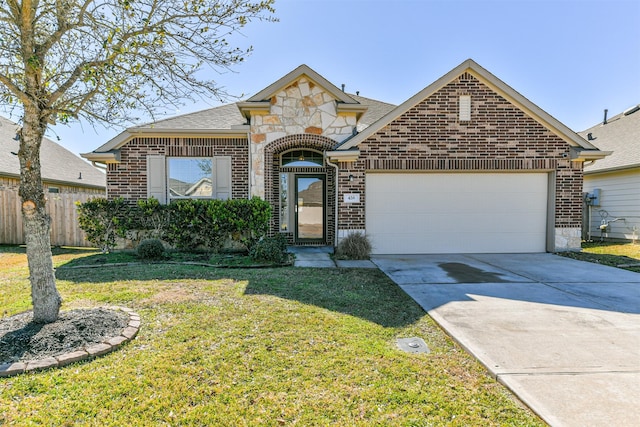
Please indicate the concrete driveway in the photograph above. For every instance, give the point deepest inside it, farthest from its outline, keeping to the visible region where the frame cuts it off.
(563, 335)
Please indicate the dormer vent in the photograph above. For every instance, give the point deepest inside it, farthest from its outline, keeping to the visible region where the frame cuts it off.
(465, 108)
(631, 110)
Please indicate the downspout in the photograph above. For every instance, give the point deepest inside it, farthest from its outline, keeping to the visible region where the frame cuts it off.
(250, 164)
(335, 166)
(106, 169)
(589, 238)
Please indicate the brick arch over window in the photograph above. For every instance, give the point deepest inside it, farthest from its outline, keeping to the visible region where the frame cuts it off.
(272, 153)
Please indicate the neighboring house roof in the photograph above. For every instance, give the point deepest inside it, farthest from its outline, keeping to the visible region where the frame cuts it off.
(621, 135)
(583, 150)
(58, 165)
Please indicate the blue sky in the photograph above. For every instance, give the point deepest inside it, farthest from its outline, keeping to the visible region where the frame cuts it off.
(572, 58)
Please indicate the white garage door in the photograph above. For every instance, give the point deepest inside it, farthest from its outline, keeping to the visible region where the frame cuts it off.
(456, 212)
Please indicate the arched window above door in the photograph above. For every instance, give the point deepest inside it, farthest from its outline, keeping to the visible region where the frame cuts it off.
(302, 158)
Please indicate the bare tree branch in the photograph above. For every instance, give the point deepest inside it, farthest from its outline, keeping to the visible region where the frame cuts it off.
(102, 59)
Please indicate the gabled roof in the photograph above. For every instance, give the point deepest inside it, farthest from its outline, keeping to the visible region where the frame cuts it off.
(621, 135)
(261, 101)
(584, 150)
(303, 70)
(223, 120)
(228, 120)
(222, 117)
(58, 165)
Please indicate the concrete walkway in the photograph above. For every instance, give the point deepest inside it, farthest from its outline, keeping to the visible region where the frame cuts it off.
(563, 335)
(320, 257)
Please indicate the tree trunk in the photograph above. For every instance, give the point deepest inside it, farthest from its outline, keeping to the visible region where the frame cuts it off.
(44, 295)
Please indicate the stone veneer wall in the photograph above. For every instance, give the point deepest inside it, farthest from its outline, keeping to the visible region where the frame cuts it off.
(301, 108)
(499, 137)
(128, 179)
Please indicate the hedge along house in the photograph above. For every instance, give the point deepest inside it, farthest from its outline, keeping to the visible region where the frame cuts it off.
(465, 165)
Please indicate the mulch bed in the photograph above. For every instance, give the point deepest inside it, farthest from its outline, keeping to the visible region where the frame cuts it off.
(21, 340)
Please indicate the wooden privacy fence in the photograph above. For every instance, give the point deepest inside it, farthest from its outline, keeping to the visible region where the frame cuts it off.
(65, 230)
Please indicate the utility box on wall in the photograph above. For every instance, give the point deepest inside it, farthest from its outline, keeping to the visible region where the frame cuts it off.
(593, 198)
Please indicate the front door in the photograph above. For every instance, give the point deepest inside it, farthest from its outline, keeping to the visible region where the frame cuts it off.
(309, 208)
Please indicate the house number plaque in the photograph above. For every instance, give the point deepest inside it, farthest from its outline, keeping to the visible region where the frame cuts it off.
(352, 198)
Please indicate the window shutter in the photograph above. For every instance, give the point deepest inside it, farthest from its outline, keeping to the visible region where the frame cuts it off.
(157, 178)
(222, 182)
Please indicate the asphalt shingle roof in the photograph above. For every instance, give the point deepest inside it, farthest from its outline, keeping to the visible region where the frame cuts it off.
(376, 110)
(57, 163)
(227, 116)
(223, 117)
(621, 135)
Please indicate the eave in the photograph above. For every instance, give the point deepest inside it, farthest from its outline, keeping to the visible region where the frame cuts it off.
(57, 181)
(248, 107)
(105, 158)
(107, 152)
(239, 131)
(625, 168)
(343, 155)
(578, 155)
(358, 109)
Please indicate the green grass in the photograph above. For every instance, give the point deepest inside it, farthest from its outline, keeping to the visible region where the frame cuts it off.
(622, 255)
(225, 259)
(248, 347)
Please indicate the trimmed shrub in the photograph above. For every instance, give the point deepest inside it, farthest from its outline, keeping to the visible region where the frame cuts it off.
(354, 246)
(195, 225)
(151, 217)
(150, 249)
(248, 220)
(270, 249)
(103, 220)
(188, 224)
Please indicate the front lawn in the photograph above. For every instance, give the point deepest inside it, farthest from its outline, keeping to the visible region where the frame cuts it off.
(248, 347)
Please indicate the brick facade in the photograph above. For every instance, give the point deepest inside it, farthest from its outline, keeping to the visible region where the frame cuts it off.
(128, 179)
(272, 154)
(498, 136)
(430, 137)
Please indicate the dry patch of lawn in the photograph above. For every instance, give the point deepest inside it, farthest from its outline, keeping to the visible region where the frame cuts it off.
(242, 347)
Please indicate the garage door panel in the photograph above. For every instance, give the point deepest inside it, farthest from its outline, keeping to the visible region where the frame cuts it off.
(457, 212)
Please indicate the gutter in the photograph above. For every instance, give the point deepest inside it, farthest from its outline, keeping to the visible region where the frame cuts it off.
(578, 155)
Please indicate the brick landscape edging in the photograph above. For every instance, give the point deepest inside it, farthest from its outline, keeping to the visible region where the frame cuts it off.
(93, 351)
